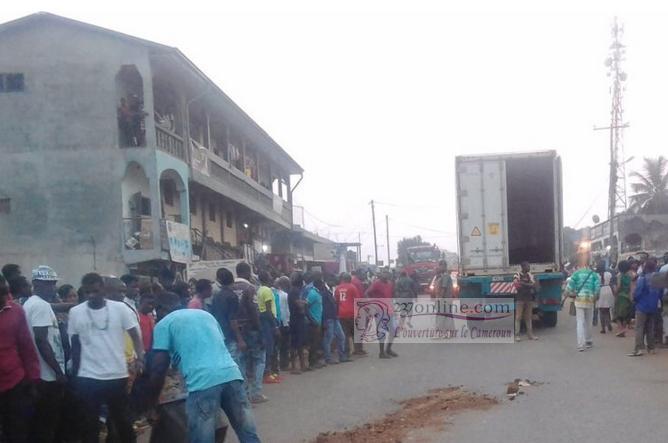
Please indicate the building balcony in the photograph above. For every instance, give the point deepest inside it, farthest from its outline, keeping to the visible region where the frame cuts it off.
(215, 173)
(170, 143)
(138, 233)
(146, 238)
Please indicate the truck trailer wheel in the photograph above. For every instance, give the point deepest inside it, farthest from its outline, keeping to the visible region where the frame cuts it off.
(549, 319)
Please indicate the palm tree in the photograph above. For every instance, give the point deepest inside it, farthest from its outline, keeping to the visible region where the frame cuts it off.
(651, 190)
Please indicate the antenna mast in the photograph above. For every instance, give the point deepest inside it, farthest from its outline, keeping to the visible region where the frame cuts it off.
(617, 187)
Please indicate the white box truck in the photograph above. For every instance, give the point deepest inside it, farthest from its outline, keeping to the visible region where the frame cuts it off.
(509, 210)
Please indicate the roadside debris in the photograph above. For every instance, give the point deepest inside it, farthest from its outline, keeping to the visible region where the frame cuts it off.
(514, 388)
(430, 410)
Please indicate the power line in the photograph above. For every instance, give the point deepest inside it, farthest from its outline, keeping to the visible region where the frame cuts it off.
(409, 206)
(425, 228)
(321, 220)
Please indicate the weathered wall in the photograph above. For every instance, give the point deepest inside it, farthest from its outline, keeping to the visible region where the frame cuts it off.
(61, 164)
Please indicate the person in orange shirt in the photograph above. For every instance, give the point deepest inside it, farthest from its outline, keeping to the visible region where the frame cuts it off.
(146, 319)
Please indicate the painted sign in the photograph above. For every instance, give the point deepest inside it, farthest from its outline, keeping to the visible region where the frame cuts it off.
(475, 232)
(493, 228)
(180, 246)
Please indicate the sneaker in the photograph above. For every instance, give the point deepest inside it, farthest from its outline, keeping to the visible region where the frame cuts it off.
(345, 360)
(602, 331)
(392, 353)
(384, 356)
(518, 339)
(635, 354)
(533, 337)
(256, 399)
(589, 345)
(652, 351)
(581, 349)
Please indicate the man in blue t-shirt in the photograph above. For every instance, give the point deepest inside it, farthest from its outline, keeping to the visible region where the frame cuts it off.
(193, 341)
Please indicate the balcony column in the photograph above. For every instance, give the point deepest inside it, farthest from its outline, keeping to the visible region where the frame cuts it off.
(208, 132)
(185, 110)
(243, 155)
(227, 144)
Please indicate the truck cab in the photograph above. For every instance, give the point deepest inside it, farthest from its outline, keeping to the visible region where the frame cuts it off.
(423, 264)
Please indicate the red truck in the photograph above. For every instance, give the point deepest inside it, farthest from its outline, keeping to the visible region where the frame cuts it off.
(423, 262)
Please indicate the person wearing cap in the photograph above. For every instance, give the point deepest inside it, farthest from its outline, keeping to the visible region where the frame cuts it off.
(46, 335)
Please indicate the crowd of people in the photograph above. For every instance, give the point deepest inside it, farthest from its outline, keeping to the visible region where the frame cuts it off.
(624, 294)
(107, 356)
(125, 352)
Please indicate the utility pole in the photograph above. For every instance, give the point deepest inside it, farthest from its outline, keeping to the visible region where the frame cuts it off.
(375, 240)
(616, 187)
(387, 231)
(359, 247)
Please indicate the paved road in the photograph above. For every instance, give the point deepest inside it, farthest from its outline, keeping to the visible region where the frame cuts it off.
(599, 395)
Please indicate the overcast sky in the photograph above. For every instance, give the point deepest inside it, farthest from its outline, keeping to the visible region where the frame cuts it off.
(375, 98)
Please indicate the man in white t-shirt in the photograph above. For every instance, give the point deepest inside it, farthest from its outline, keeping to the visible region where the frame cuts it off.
(46, 334)
(97, 330)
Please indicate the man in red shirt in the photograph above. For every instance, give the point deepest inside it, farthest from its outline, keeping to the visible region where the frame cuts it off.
(383, 288)
(345, 295)
(357, 281)
(19, 368)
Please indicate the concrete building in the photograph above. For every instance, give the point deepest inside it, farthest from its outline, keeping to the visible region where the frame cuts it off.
(633, 234)
(118, 153)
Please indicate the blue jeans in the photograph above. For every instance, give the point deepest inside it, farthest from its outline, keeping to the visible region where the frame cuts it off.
(268, 325)
(202, 410)
(253, 359)
(233, 348)
(333, 330)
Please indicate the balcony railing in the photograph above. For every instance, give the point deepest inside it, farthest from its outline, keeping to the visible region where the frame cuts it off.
(170, 143)
(138, 233)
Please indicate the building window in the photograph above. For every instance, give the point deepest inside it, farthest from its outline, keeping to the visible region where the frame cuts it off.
(5, 205)
(11, 83)
(229, 222)
(212, 212)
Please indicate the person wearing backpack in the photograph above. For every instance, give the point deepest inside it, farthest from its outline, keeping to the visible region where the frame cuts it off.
(584, 287)
(646, 300)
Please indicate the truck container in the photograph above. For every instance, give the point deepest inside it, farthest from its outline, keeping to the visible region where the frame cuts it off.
(509, 210)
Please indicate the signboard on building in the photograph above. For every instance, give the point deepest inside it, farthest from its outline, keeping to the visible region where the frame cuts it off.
(324, 252)
(208, 268)
(180, 246)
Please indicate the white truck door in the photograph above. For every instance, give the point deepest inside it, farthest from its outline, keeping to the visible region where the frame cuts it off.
(482, 213)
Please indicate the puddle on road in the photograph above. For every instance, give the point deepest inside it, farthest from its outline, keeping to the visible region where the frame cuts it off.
(428, 411)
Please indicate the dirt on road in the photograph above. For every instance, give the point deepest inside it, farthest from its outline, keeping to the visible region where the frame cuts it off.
(428, 411)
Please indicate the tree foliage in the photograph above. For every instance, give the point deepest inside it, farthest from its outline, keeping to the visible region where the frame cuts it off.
(651, 187)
